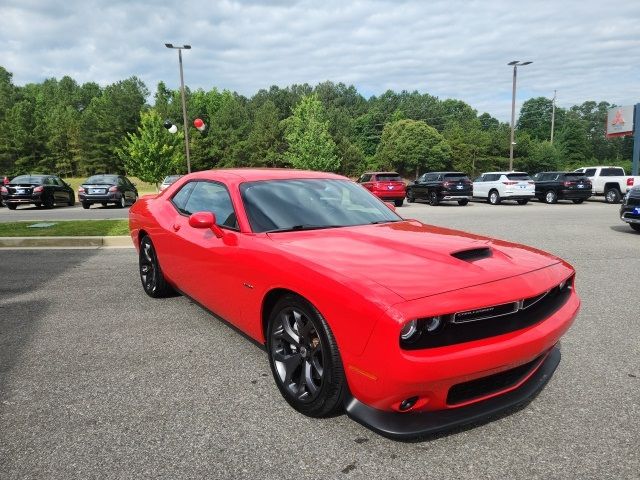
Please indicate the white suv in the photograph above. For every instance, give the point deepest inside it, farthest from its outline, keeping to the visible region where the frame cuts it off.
(497, 186)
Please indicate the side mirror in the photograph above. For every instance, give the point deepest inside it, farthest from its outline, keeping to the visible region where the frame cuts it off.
(205, 220)
(391, 206)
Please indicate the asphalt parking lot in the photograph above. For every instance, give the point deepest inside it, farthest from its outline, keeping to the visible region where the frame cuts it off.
(97, 380)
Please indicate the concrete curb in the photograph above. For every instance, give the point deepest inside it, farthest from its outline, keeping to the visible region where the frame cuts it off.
(61, 242)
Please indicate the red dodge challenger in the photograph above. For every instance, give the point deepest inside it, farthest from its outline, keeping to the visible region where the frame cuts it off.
(411, 328)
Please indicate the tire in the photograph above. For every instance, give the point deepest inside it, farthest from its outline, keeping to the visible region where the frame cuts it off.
(635, 226)
(153, 281)
(551, 197)
(38, 205)
(433, 199)
(12, 206)
(494, 197)
(410, 197)
(72, 200)
(523, 201)
(398, 203)
(104, 204)
(123, 202)
(86, 205)
(612, 195)
(578, 201)
(464, 202)
(304, 358)
(48, 202)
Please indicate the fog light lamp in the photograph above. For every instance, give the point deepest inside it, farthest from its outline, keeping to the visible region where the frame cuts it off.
(432, 324)
(408, 403)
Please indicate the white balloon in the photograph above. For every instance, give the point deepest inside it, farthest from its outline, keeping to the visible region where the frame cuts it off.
(173, 129)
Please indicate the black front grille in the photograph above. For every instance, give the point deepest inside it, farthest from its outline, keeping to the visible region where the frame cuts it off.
(530, 311)
(633, 201)
(464, 392)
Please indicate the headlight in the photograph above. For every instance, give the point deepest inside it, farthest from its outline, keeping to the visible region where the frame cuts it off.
(409, 330)
(432, 324)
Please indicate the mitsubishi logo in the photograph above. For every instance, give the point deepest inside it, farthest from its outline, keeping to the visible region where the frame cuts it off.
(618, 120)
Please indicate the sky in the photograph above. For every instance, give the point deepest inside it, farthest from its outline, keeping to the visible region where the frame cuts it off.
(586, 50)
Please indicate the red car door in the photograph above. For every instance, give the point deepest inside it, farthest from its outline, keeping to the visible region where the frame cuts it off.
(204, 266)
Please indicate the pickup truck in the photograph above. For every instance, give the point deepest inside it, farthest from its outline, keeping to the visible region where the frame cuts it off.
(612, 182)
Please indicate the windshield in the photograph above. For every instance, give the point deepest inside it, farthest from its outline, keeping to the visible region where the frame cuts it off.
(306, 204)
(28, 179)
(388, 177)
(518, 176)
(171, 178)
(455, 176)
(102, 179)
(574, 176)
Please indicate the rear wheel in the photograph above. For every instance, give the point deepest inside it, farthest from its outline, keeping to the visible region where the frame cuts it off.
(86, 205)
(398, 202)
(578, 200)
(151, 275)
(494, 197)
(612, 195)
(11, 206)
(550, 197)
(72, 200)
(38, 205)
(463, 202)
(123, 202)
(304, 358)
(433, 199)
(523, 201)
(48, 202)
(104, 204)
(635, 226)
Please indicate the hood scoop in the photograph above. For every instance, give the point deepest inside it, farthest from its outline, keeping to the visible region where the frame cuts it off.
(473, 254)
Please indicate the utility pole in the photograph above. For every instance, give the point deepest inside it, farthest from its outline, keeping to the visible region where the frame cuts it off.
(515, 65)
(553, 114)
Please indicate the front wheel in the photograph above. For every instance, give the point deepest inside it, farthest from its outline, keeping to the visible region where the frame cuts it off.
(612, 195)
(463, 202)
(153, 280)
(398, 202)
(304, 358)
(550, 197)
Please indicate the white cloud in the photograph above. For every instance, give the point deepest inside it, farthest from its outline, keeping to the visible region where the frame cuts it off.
(587, 50)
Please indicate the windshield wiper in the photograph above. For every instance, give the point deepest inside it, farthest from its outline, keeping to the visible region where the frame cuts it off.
(377, 222)
(297, 228)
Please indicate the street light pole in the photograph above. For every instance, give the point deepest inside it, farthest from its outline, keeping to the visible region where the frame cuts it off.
(515, 65)
(553, 114)
(184, 103)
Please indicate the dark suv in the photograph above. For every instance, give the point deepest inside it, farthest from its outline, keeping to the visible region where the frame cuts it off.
(630, 209)
(441, 186)
(105, 189)
(554, 186)
(39, 190)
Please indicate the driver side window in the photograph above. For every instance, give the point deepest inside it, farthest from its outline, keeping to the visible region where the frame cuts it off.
(212, 197)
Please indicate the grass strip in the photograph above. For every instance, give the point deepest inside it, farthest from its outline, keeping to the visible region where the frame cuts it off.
(71, 228)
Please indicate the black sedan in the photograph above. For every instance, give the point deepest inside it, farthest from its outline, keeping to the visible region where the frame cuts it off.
(106, 189)
(630, 209)
(38, 190)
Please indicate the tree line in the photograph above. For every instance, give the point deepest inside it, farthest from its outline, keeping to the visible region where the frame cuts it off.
(73, 129)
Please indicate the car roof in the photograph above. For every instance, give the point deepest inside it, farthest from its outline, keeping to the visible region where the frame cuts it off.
(504, 173)
(256, 174)
(443, 173)
(381, 173)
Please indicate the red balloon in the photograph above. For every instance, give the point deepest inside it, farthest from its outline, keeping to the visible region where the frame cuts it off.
(198, 123)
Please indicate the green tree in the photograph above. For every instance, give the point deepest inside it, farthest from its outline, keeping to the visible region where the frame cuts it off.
(152, 152)
(543, 156)
(266, 141)
(412, 144)
(307, 133)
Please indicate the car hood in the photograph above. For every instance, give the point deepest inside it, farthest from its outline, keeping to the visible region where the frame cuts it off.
(412, 259)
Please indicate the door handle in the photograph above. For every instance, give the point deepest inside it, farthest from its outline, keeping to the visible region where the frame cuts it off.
(176, 227)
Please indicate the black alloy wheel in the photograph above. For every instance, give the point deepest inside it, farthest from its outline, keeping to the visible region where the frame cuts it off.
(550, 197)
(494, 197)
(151, 275)
(410, 197)
(304, 358)
(433, 199)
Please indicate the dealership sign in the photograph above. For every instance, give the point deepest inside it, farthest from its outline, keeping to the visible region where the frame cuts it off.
(620, 121)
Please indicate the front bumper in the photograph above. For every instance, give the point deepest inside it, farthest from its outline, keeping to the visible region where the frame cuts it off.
(415, 424)
(627, 214)
(575, 194)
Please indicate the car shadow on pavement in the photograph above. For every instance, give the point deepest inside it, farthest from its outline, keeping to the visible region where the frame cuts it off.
(624, 229)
